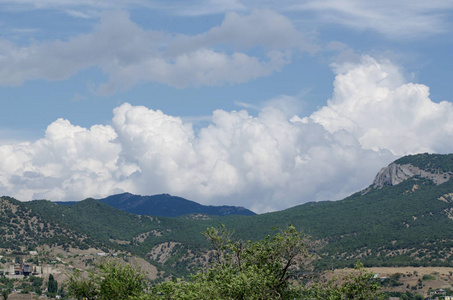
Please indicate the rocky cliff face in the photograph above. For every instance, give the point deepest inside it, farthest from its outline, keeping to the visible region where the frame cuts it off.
(397, 173)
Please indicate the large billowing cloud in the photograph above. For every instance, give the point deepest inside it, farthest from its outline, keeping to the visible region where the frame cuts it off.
(266, 162)
(129, 54)
(69, 162)
(373, 103)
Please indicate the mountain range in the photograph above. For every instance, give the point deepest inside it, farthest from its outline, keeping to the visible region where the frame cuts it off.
(405, 217)
(165, 205)
(169, 206)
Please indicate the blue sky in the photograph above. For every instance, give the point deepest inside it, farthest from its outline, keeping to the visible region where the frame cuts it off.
(264, 104)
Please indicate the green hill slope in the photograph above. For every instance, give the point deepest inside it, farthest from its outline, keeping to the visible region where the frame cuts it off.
(24, 228)
(404, 218)
(390, 226)
(409, 223)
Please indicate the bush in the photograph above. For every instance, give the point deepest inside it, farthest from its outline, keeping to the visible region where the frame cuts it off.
(428, 277)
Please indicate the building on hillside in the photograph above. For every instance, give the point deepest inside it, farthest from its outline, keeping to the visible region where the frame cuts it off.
(26, 270)
(17, 269)
(22, 269)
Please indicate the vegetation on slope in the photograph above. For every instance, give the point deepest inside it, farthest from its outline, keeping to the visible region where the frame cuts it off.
(429, 162)
(23, 226)
(406, 224)
(266, 269)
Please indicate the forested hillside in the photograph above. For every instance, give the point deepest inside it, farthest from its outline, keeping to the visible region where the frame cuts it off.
(23, 227)
(408, 222)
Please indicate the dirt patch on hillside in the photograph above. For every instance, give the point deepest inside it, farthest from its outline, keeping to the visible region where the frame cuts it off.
(417, 280)
(162, 252)
(420, 270)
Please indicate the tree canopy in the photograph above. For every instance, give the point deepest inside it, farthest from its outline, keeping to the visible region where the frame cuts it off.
(271, 268)
(112, 281)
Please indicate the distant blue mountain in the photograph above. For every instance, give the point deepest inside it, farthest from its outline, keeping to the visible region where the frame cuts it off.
(166, 205)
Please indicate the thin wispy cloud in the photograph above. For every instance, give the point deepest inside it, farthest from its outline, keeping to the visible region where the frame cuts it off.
(407, 19)
(129, 55)
(401, 19)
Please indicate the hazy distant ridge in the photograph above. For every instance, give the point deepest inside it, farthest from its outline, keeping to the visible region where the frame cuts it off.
(165, 205)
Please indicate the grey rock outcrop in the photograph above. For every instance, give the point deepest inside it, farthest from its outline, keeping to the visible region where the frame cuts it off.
(396, 173)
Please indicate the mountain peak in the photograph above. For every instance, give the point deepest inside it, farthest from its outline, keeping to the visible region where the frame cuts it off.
(436, 167)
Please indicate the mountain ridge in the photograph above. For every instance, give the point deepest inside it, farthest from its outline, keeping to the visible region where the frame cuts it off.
(406, 223)
(165, 205)
(169, 206)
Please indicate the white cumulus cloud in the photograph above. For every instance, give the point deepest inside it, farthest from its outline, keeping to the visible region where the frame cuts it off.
(373, 102)
(266, 162)
(68, 163)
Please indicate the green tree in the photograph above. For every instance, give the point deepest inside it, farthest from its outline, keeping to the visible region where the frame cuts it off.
(5, 293)
(52, 286)
(266, 269)
(83, 287)
(113, 281)
(358, 284)
(271, 268)
(62, 291)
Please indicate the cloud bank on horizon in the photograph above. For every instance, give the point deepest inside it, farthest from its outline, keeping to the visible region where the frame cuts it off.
(268, 162)
(158, 64)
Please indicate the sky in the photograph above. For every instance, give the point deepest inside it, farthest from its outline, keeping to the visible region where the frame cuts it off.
(262, 104)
